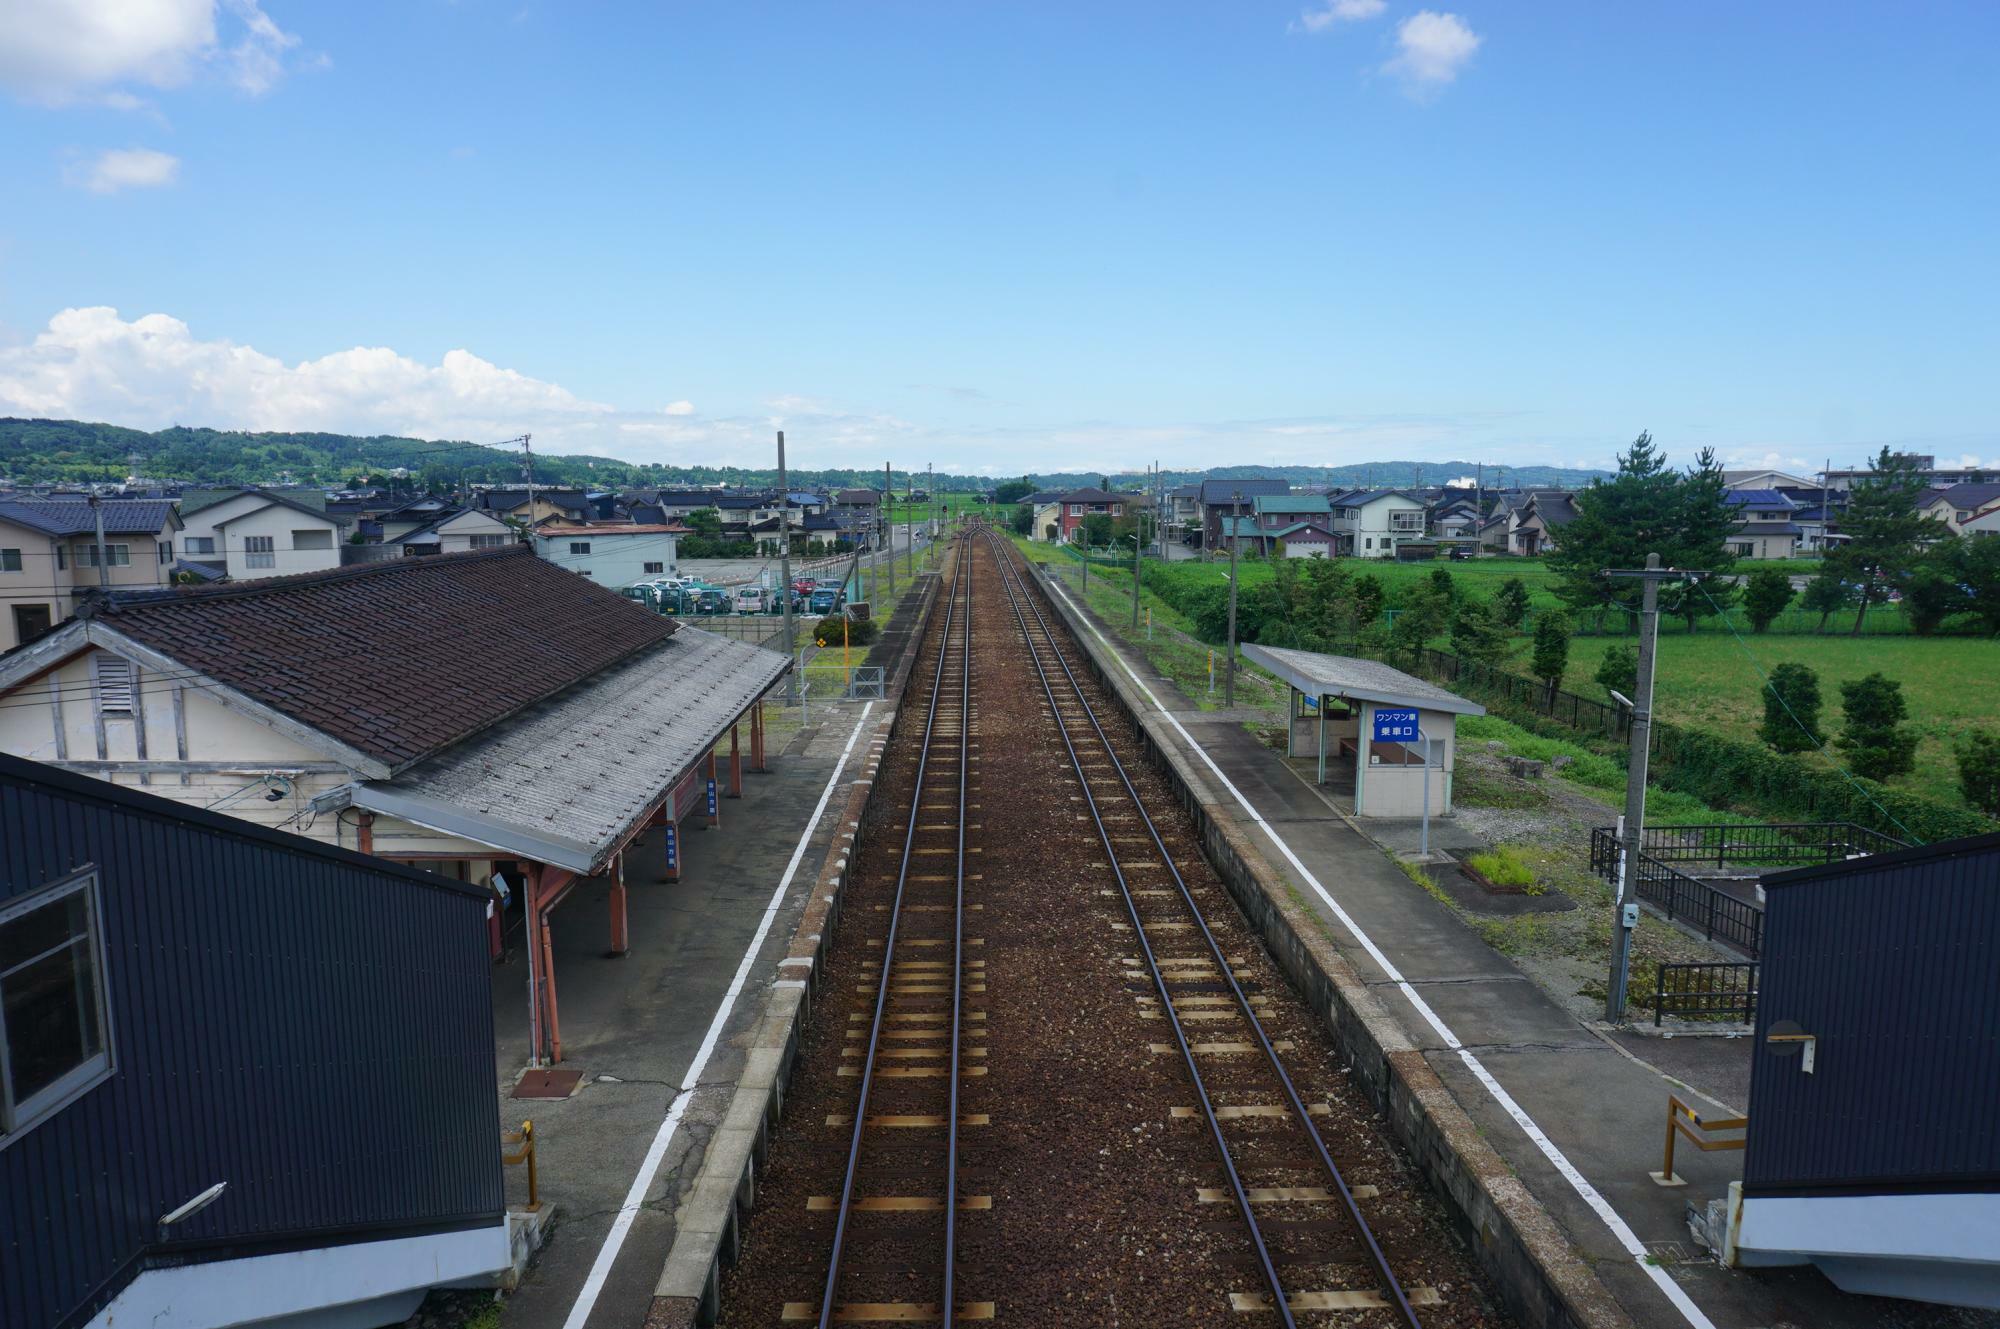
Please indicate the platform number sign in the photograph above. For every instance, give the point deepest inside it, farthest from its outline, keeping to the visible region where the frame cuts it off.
(1395, 725)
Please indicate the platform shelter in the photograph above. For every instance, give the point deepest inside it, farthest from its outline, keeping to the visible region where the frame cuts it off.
(1359, 719)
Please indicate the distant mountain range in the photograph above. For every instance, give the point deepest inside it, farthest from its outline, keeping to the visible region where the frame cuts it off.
(76, 452)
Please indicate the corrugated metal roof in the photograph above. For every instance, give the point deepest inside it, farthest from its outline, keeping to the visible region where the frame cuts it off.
(1357, 679)
(565, 781)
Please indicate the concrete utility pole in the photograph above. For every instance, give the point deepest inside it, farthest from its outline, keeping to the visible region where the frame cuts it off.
(1138, 542)
(528, 469)
(785, 585)
(1633, 823)
(1229, 665)
(103, 559)
(888, 528)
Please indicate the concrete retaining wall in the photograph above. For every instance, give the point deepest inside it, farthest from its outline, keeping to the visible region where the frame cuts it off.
(1537, 1273)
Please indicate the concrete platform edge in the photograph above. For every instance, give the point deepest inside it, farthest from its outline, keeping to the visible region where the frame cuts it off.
(709, 1220)
(1536, 1268)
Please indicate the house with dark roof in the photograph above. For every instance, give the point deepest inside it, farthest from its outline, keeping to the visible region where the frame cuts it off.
(1536, 522)
(467, 711)
(50, 560)
(1372, 523)
(249, 532)
(1072, 508)
(1766, 523)
(1955, 505)
(571, 505)
(1220, 498)
(455, 531)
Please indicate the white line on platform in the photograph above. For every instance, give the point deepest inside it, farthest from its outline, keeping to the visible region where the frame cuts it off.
(1581, 1184)
(649, 1167)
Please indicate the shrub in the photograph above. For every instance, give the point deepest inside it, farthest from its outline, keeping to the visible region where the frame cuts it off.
(1552, 634)
(1510, 602)
(860, 631)
(1619, 671)
(1874, 738)
(1476, 633)
(1791, 709)
(1769, 591)
(1978, 756)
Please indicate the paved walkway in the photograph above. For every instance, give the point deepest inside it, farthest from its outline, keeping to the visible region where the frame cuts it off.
(635, 1025)
(1520, 1065)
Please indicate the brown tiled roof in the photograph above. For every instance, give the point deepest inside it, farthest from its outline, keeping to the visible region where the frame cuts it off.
(402, 658)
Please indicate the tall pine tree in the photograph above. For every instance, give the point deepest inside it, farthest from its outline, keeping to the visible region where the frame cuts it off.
(1706, 520)
(1617, 523)
(1883, 530)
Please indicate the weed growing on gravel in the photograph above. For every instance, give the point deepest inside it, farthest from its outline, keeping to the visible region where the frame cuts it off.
(1502, 866)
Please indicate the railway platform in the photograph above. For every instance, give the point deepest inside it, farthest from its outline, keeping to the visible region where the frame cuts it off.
(1575, 1112)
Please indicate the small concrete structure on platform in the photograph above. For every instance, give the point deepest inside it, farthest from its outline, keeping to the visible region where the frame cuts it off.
(1390, 732)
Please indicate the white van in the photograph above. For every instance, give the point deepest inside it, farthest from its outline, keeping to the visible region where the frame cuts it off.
(752, 600)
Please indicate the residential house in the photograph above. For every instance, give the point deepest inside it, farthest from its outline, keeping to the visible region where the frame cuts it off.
(457, 531)
(1224, 498)
(563, 720)
(406, 517)
(50, 561)
(567, 505)
(201, 1126)
(1455, 519)
(1045, 515)
(1537, 521)
(1958, 504)
(1183, 512)
(1983, 524)
(859, 513)
(1273, 512)
(615, 554)
(1765, 525)
(1370, 523)
(252, 533)
(1076, 506)
(1938, 477)
(743, 515)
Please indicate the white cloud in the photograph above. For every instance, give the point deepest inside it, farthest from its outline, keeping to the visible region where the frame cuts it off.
(1432, 49)
(1335, 12)
(123, 168)
(58, 52)
(679, 408)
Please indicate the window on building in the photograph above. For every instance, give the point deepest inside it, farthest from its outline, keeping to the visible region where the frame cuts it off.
(166, 551)
(260, 551)
(62, 557)
(656, 567)
(488, 541)
(1368, 543)
(54, 1035)
(115, 556)
(113, 680)
(10, 560)
(312, 539)
(1406, 521)
(579, 546)
(200, 544)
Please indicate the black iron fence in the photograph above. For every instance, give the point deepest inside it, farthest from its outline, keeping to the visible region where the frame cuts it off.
(1706, 990)
(1785, 844)
(1716, 914)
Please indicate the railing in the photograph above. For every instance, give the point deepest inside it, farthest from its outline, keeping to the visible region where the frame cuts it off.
(1680, 898)
(1568, 708)
(1786, 844)
(1706, 990)
(525, 1138)
(1684, 1120)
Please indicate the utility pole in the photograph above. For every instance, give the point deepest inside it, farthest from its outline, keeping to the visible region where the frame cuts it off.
(1229, 665)
(889, 529)
(1633, 823)
(528, 469)
(785, 585)
(103, 559)
(1138, 541)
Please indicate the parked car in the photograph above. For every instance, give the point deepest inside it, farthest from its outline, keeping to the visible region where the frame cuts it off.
(825, 599)
(752, 599)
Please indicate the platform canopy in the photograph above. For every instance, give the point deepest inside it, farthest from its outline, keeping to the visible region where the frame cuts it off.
(1356, 679)
(567, 781)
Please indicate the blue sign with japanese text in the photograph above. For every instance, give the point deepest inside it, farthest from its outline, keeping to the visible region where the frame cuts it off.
(1395, 725)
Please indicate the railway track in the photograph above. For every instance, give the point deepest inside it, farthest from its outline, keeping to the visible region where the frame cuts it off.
(916, 1048)
(1142, 1123)
(1181, 980)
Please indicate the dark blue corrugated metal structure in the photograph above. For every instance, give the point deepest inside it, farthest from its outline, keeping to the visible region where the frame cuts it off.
(309, 1025)
(1890, 962)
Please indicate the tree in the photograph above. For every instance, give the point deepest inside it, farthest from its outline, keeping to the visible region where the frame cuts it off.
(1981, 569)
(1097, 530)
(1884, 530)
(706, 522)
(1704, 521)
(1510, 602)
(1791, 709)
(1368, 599)
(1552, 633)
(1476, 634)
(1441, 585)
(1978, 756)
(1769, 591)
(1022, 520)
(1013, 491)
(1617, 523)
(1619, 670)
(1416, 623)
(1826, 595)
(1877, 743)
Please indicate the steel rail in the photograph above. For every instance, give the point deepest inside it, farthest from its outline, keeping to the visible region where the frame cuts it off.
(1009, 580)
(827, 1303)
(957, 945)
(1376, 1258)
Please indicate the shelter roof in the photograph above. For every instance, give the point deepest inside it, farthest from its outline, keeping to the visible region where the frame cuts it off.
(1349, 676)
(568, 779)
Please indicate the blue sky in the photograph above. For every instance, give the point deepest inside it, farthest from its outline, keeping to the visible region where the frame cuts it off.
(1009, 237)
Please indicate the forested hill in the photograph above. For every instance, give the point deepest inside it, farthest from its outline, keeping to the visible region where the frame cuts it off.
(41, 451)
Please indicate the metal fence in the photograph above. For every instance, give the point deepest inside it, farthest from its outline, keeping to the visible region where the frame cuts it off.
(1716, 914)
(1565, 707)
(1786, 844)
(1697, 990)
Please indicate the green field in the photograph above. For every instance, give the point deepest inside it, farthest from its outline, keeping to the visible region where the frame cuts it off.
(954, 503)
(1710, 681)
